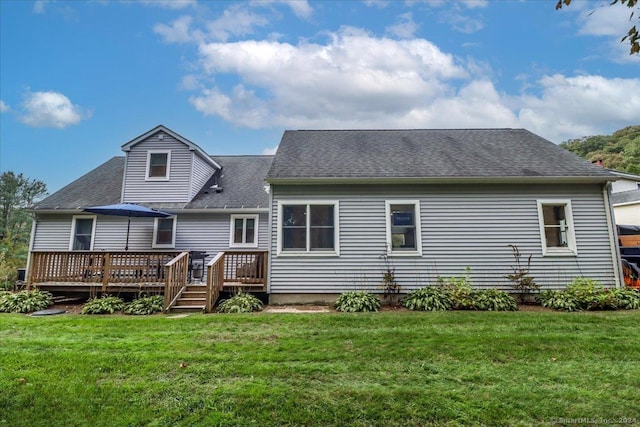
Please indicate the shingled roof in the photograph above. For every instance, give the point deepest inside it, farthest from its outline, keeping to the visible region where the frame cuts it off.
(625, 197)
(241, 180)
(444, 154)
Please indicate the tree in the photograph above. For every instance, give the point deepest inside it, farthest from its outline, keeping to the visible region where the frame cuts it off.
(17, 193)
(633, 36)
(620, 151)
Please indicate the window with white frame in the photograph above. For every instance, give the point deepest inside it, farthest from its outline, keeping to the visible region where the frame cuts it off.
(164, 232)
(244, 231)
(82, 232)
(403, 227)
(308, 227)
(556, 227)
(158, 165)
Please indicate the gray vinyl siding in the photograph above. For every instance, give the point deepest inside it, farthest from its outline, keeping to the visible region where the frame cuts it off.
(462, 226)
(201, 173)
(52, 233)
(208, 232)
(177, 189)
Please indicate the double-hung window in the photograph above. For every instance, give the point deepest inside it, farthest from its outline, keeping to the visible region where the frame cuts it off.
(83, 229)
(403, 227)
(556, 227)
(158, 165)
(308, 227)
(164, 232)
(244, 231)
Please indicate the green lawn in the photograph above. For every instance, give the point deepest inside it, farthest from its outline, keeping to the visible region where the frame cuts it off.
(390, 368)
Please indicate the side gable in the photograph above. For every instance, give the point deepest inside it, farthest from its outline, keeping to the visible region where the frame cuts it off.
(184, 166)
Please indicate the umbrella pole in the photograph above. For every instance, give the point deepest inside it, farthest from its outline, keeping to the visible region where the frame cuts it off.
(126, 246)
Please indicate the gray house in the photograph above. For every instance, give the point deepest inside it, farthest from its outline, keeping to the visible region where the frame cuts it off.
(432, 201)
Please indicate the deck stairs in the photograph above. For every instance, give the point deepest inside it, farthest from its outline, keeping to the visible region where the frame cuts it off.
(192, 299)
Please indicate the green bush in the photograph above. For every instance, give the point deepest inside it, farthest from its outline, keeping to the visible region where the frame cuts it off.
(24, 301)
(588, 294)
(429, 298)
(145, 305)
(106, 304)
(459, 291)
(559, 300)
(240, 303)
(627, 298)
(357, 301)
(493, 300)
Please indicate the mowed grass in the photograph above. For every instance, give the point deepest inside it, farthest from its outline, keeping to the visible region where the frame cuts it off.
(389, 368)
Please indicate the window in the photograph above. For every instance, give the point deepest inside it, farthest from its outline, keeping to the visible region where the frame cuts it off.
(244, 231)
(158, 165)
(308, 227)
(556, 227)
(164, 232)
(82, 231)
(403, 227)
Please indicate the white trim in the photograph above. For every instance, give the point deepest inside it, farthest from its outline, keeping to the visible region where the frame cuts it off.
(618, 205)
(308, 251)
(256, 219)
(158, 178)
(160, 128)
(445, 180)
(613, 236)
(73, 229)
(572, 248)
(173, 233)
(417, 218)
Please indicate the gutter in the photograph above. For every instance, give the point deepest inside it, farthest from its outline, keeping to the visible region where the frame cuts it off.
(446, 180)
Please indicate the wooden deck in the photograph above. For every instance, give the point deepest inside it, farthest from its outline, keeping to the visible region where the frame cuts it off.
(154, 272)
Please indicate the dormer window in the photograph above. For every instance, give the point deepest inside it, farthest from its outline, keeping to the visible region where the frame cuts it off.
(158, 165)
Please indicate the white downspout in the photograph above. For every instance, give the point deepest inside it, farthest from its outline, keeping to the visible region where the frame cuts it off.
(613, 235)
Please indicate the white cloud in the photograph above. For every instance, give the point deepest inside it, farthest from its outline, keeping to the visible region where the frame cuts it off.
(380, 4)
(40, 5)
(235, 21)
(177, 32)
(606, 20)
(405, 28)
(300, 8)
(170, 4)
(475, 4)
(270, 151)
(50, 109)
(579, 106)
(4, 107)
(461, 23)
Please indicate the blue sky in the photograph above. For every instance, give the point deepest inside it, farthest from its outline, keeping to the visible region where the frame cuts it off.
(80, 78)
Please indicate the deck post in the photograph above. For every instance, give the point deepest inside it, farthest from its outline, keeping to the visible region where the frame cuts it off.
(106, 271)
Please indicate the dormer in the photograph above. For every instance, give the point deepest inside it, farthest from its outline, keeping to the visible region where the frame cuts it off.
(163, 166)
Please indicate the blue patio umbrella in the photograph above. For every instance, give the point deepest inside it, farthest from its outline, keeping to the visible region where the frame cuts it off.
(129, 210)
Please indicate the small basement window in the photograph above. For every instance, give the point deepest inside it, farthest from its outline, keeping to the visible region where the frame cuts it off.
(158, 165)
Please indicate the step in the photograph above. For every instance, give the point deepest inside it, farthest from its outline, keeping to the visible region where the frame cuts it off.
(193, 294)
(186, 308)
(191, 301)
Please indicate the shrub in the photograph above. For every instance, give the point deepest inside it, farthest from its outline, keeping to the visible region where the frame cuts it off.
(145, 305)
(627, 298)
(559, 300)
(357, 301)
(521, 281)
(588, 294)
(427, 299)
(24, 301)
(240, 303)
(493, 300)
(106, 304)
(459, 291)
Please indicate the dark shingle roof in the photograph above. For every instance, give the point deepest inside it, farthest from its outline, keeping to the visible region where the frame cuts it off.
(101, 186)
(625, 197)
(442, 153)
(241, 179)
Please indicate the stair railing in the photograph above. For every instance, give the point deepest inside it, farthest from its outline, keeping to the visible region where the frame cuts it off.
(215, 280)
(176, 274)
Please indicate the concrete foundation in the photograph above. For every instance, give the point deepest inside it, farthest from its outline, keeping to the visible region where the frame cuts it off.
(283, 299)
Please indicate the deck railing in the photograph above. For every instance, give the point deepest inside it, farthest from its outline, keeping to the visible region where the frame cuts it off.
(98, 267)
(215, 280)
(176, 275)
